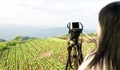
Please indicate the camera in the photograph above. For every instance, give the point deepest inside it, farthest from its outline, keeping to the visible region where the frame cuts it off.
(75, 28)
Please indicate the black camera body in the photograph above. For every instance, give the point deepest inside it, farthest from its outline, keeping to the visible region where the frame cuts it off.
(75, 28)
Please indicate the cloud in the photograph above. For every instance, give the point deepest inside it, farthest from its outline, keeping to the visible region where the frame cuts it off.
(50, 12)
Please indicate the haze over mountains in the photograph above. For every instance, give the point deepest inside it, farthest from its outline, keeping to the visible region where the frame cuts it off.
(8, 32)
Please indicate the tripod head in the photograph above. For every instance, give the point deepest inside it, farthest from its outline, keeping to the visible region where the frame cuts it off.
(75, 28)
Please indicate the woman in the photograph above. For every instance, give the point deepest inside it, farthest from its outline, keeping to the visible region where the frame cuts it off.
(107, 56)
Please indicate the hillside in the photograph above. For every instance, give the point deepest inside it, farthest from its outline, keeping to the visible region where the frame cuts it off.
(8, 32)
(38, 54)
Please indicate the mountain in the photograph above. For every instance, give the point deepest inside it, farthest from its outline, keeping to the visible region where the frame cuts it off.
(8, 32)
(2, 40)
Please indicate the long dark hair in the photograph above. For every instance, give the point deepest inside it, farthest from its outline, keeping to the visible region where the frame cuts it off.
(109, 41)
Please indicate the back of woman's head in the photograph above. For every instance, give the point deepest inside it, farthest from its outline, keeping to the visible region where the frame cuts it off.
(109, 17)
(109, 41)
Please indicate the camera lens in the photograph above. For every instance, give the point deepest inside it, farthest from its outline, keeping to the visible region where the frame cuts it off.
(75, 24)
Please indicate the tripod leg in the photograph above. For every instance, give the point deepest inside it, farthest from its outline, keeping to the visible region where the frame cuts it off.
(69, 58)
(75, 59)
(80, 56)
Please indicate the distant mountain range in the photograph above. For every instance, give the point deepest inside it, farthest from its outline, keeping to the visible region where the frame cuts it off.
(9, 32)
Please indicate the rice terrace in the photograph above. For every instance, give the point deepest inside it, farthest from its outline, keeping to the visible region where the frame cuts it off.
(38, 53)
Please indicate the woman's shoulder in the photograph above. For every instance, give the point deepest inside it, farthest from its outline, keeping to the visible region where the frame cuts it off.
(86, 61)
(88, 56)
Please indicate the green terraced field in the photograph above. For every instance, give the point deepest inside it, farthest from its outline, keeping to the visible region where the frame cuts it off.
(38, 54)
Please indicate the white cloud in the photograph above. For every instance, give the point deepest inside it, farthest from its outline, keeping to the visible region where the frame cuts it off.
(50, 12)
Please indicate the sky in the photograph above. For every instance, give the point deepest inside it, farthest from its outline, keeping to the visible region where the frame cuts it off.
(50, 13)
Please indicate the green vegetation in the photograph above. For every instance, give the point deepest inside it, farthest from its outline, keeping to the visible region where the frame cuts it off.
(17, 40)
(92, 34)
(36, 54)
(5, 45)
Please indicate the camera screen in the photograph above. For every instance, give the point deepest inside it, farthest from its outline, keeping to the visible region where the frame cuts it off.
(75, 24)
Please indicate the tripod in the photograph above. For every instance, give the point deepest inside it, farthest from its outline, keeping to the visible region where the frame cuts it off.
(74, 57)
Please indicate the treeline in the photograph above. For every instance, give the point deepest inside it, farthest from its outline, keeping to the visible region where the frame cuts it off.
(17, 40)
(92, 34)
